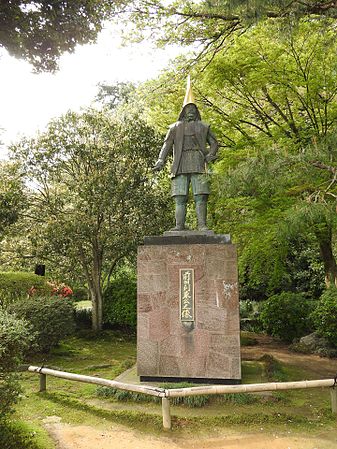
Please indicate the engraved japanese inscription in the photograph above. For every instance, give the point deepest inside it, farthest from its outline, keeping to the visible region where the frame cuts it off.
(186, 294)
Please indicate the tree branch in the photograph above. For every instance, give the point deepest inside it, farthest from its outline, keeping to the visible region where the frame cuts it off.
(323, 166)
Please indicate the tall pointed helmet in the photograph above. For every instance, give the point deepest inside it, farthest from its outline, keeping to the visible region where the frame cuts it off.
(189, 97)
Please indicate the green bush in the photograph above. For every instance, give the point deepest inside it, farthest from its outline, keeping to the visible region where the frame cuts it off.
(325, 316)
(16, 285)
(15, 338)
(120, 303)
(52, 319)
(287, 316)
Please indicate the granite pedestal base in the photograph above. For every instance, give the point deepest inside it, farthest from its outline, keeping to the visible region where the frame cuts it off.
(206, 347)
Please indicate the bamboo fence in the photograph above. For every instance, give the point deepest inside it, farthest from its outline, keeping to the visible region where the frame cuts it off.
(166, 394)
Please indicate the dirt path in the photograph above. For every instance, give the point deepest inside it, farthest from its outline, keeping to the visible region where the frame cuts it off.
(117, 437)
(322, 367)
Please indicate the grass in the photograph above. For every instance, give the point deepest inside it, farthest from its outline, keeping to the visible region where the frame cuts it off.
(19, 434)
(80, 305)
(111, 353)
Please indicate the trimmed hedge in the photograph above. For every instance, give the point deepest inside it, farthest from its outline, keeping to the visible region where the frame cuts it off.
(51, 318)
(16, 285)
(287, 316)
(120, 303)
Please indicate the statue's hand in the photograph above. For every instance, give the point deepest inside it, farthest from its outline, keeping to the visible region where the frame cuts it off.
(159, 165)
(210, 157)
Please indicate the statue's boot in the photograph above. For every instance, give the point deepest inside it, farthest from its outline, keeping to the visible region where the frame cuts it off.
(201, 210)
(180, 213)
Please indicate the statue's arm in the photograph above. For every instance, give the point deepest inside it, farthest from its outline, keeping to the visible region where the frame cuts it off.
(165, 149)
(213, 143)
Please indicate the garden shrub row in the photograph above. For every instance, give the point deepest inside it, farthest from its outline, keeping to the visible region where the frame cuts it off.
(16, 285)
(51, 318)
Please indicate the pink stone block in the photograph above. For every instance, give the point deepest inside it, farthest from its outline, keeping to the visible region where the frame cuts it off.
(159, 325)
(149, 283)
(144, 303)
(147, 360)
(169, 365)
(142, 327)
(209, 347)
(218, 365)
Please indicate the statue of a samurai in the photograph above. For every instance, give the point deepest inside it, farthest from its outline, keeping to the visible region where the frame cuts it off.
(189, 138)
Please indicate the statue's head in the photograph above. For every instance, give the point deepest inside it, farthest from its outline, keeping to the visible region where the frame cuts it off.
(189, 113)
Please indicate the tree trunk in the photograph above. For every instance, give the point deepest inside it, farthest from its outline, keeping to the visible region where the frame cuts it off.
(93, 277)
(97, 297)
(329, 261)
(96, 300)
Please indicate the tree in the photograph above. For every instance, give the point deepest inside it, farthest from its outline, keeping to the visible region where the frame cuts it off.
(212, 24)
(94, 195)
(275, 91)
(113, 95)
(40, 31)
(11, 195)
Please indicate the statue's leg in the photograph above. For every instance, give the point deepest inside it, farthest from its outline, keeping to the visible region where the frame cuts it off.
(179, 192)
(181, 202)
(201, 210)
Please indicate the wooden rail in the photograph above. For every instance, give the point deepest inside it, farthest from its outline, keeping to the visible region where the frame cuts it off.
(166, 394)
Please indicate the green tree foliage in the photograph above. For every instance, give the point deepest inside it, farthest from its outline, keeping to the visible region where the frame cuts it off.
(113, 95)
(269, 203)
(40, 31)
(51, 319)
(15, 339)
(325, 316)
(277, 178)
(211, 24)
(95, 196)
(276, 263)
(287, 316)
(11, 195)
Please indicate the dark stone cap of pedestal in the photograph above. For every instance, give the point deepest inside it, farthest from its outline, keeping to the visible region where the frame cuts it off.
(187, 238)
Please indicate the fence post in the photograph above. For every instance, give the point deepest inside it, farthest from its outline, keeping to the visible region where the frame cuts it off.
(165, 403)
(43, 382)
(333, 394)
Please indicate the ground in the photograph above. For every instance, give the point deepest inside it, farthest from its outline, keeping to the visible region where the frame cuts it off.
(70, 415)
(318, 366)
(86, 437)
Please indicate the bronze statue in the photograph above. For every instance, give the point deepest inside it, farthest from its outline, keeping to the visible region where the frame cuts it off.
(189, 138)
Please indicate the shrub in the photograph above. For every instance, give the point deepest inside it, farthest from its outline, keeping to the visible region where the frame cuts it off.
(52, 319)
(120, 303)
(250, 316)
(325, 316)
(287, 316)
(16, 285)
(15, 338)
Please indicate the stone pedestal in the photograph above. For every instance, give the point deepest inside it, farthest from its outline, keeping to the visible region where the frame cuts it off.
(188, 309)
